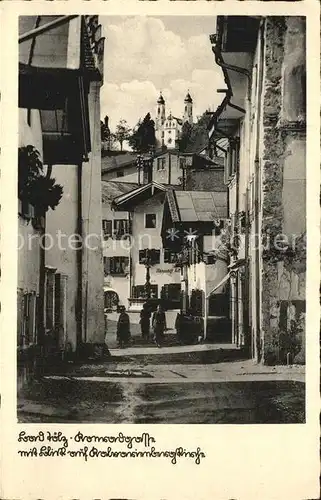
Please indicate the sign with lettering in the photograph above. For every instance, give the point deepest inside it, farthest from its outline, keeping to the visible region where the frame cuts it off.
(159, 270)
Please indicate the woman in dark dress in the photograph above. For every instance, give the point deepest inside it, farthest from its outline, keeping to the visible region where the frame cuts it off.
(145, 321)
(123, 327)
(159, 325)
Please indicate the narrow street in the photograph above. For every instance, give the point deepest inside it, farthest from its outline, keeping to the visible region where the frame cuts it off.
(206, 383)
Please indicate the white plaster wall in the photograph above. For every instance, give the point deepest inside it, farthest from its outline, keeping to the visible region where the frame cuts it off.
(162, 273)
(63, 256)
(29, 250)
(94, 325)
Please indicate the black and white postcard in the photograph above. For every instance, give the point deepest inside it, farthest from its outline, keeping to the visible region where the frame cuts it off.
(160, 250)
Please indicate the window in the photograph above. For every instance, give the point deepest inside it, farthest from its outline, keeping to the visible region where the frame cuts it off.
(163, 134)
(182, 162)
(151, 253)
(161, 162)
(117, 228)
(169, 256)
(139, 291)
(150, 221)
(121, 228)
(107, 228)
(116, 266)
(171, 292)
(50, 300)
(26, 318)
(231, 158)
(120, 173)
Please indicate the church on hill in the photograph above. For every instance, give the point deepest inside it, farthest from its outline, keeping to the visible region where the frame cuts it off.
(168, 127)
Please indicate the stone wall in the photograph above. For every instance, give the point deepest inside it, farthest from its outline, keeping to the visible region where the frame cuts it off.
(283, 198)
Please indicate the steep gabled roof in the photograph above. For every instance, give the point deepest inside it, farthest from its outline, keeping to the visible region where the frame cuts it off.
(196, 206)
(114, 189)
(135, 197)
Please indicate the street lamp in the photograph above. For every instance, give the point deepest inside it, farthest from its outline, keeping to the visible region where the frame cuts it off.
(147, 262)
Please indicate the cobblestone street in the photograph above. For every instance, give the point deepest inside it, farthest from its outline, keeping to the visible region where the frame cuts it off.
(131, 390)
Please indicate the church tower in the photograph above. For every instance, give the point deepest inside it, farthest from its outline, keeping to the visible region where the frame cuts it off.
(160, 120)
(188, 109)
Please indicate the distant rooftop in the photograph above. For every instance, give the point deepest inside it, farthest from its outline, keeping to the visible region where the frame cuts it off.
(201, 206)
(113, 189)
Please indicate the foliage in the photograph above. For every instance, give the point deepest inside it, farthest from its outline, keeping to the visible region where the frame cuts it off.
(143, 137)
(123, 133)
(282, 343)
(33, 186)
(194, 135)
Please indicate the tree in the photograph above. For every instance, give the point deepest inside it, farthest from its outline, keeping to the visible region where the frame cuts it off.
(143, 137)
(195, 135)
(123, 132)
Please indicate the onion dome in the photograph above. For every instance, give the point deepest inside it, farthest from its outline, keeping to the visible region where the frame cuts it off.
(188, 98)
(160, 100)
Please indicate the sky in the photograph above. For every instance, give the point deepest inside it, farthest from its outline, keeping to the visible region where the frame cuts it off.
(145, 54)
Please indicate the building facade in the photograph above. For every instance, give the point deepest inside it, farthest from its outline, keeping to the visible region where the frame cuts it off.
(60, 278)
(263, 119)
(145, 206)
(168, 127)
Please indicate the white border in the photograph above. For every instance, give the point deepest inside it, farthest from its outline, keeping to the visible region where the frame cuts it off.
(243, 461)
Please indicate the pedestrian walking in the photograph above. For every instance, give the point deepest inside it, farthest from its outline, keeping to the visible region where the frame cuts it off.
(145, 321)
(123, 327)
(178, 326)
(159, 325)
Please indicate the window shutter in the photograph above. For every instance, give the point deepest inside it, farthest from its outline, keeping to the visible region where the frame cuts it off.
(107, 265)
(32, 318)
(57, 299)
(50, 300)
(20, 302)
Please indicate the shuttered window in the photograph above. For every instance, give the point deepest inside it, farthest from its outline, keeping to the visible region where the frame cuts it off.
(26, 318)
(50, 301)
(116, 266)
(139, 291)
(232, 159)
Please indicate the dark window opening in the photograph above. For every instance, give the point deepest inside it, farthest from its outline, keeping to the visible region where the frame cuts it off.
(107, 228)
(121, 228)
(150, 221)
(116, 266)
(170, 257)
(161, 162)
(139, 291)
(149, 256)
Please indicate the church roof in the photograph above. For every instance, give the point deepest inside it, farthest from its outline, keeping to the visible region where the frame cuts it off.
(188, 98)
(160, 100)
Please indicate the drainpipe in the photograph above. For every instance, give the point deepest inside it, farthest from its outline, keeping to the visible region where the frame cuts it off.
(220, 62)
(79, 252)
